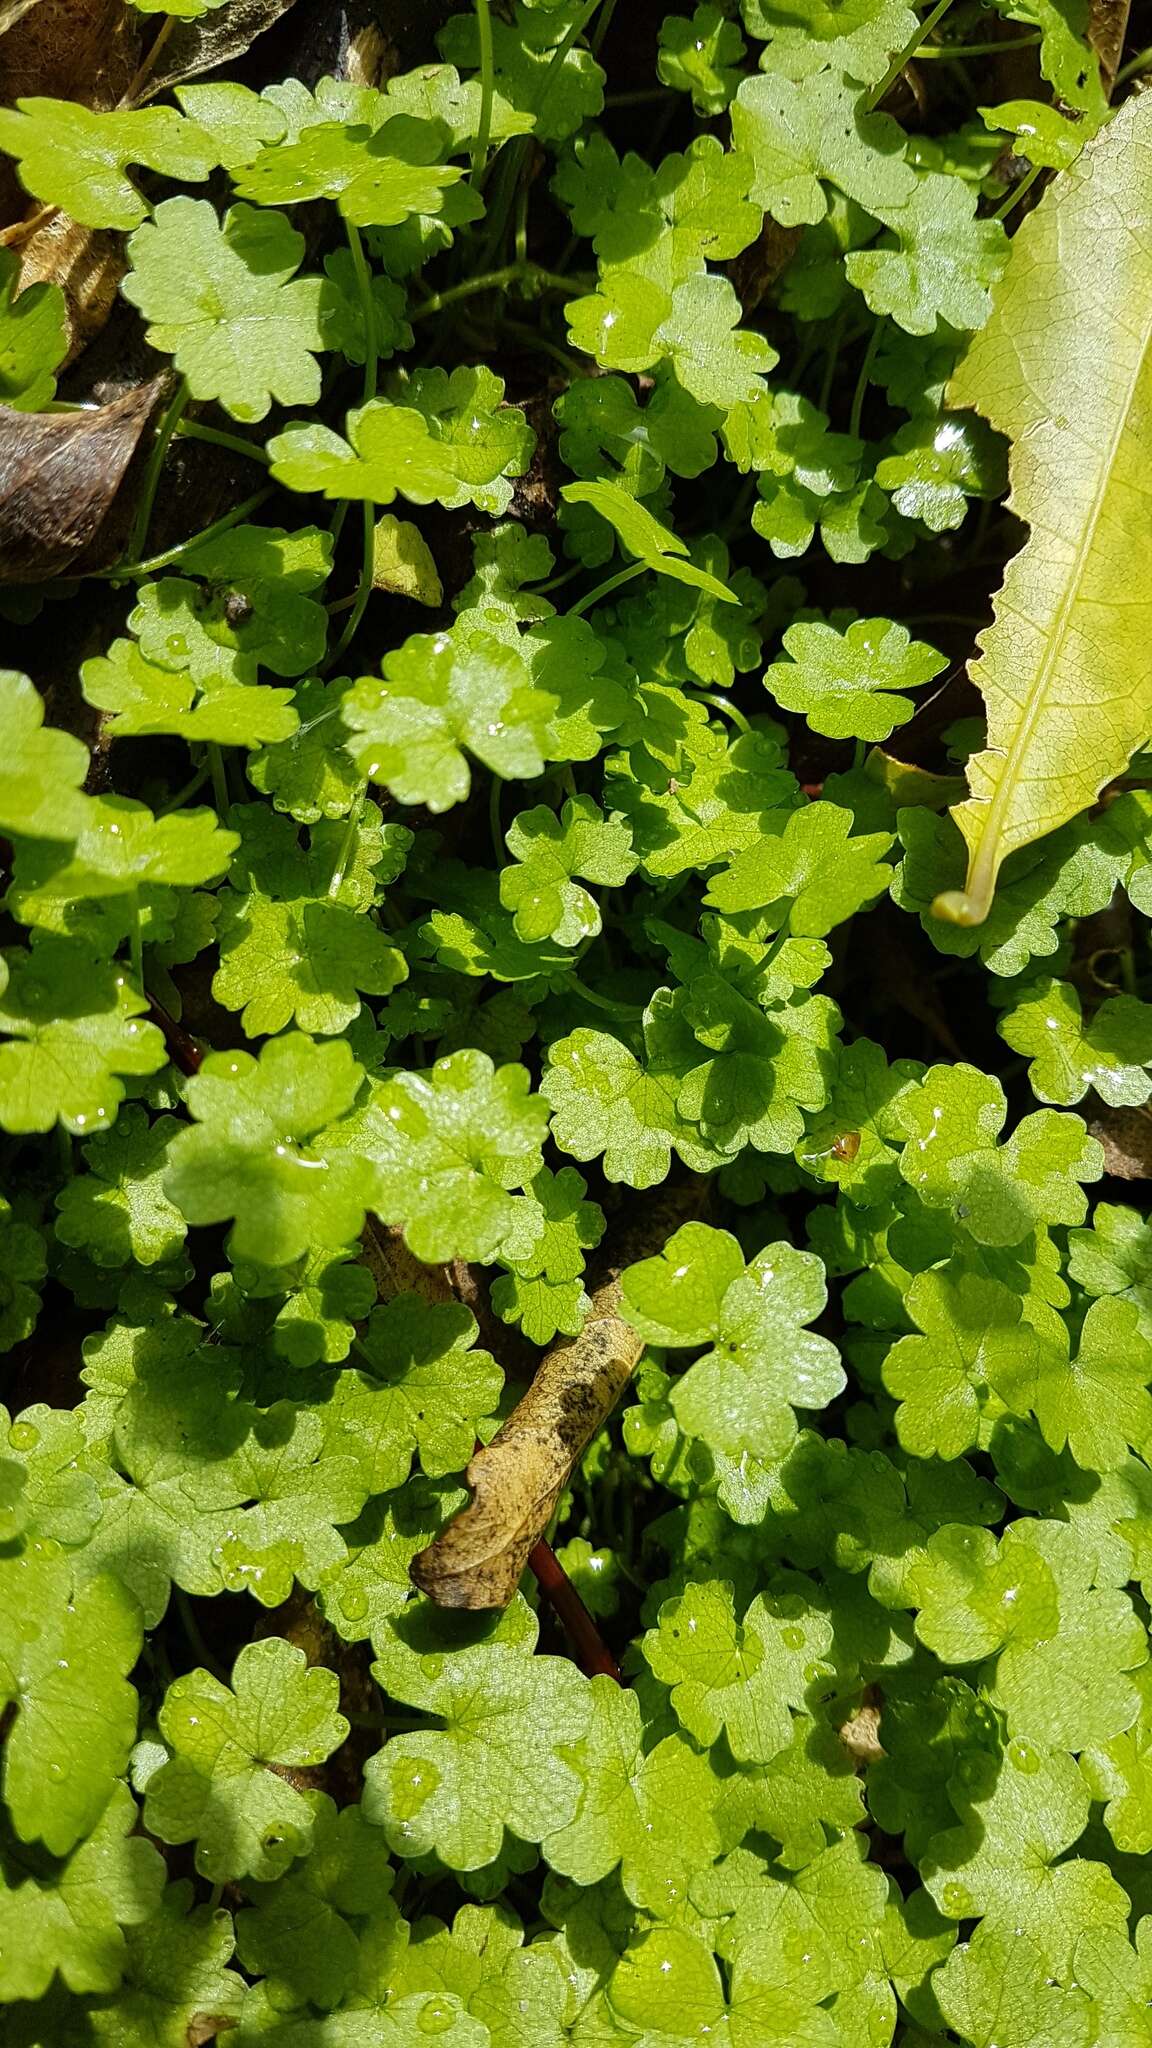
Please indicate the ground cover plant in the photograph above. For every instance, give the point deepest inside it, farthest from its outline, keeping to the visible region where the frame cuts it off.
(576, 1025)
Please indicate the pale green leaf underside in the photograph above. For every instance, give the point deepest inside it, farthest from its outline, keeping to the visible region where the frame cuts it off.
(1064, 367)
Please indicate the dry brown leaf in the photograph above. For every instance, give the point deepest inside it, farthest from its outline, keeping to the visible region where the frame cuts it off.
(517, 1479)
(86, 263)
(1126, 1135)
(59, 475)
(84, 50)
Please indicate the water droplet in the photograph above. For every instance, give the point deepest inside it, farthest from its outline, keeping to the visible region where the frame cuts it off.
(354, 1603)
(792, 1637)
(432, 1666)
(57, 1773)
(956, 1901)
(1023, 1757)
(23, 1436)
(435, 2017)
(411, 1783)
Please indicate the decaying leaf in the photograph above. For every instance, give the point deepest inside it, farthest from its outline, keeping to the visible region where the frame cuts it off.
(517, 1479)
(1126, 1135)
(1064, 367)
(70, 49)
(197, 46)
(87, 264)
(59, 473)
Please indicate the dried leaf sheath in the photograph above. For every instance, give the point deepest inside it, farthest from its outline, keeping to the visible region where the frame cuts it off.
(518, 1478)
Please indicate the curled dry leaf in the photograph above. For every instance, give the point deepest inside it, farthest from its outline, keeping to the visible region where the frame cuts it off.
(59, 474)
(1126, 1135)
(86, 263)
(517, 1479)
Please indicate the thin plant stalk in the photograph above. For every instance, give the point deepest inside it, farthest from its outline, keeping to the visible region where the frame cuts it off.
(168, 425)
(906, 55)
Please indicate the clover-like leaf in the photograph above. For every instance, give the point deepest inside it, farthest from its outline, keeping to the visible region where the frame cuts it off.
(441, 694)
(847, 682)
(541, 890)
(454, 1788)
(441, 1149)
(419, 1387)
(763, 1362)
(74, 158)
(260, 1150)
(224, 301)
(700, 55)
(806, 871)
(224, 1785)
(73, 1028)
(118, 1210)
(1110, 1053)
(72, 1919)
(999, 1192)
(972, 1339)
(438, 439)
(378, 178)
(652, 1814)
(802, 136)
(739, 1677)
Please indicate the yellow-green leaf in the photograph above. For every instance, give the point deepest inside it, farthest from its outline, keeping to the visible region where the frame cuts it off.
(1064, 367)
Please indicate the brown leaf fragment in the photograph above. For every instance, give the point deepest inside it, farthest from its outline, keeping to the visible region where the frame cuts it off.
(86, 263)
(518, 1478)
(59, 475)
(1126, 1135)
(204, 2027)
(83, 50)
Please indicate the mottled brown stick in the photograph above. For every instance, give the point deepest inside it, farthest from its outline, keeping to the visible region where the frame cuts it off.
(518, 1478)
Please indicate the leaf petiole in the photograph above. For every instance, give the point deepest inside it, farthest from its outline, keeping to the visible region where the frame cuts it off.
(905, 55)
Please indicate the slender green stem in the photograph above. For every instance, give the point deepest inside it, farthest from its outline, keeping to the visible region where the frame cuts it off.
(367, 309)
(603, 589)
(905, 55)
(493, 280)
(122, 571)
(557, 582)
(188, 789)
(973, 49)
(721, 704)
(136, 940)
(859, 754)
(495, 823)
(363, 591)
(487, 83)
(833, 358)
(628, 1013)
(168, 425)
(1134, 66)
(513, 160)
(539, 343)
(596, 42)
(1014, 197)
(219, 779)
(191, 430)
(865, 378)
(347, 844)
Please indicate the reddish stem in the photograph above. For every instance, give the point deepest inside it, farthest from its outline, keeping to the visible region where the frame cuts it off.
(592, 1652)
(183, 1050)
